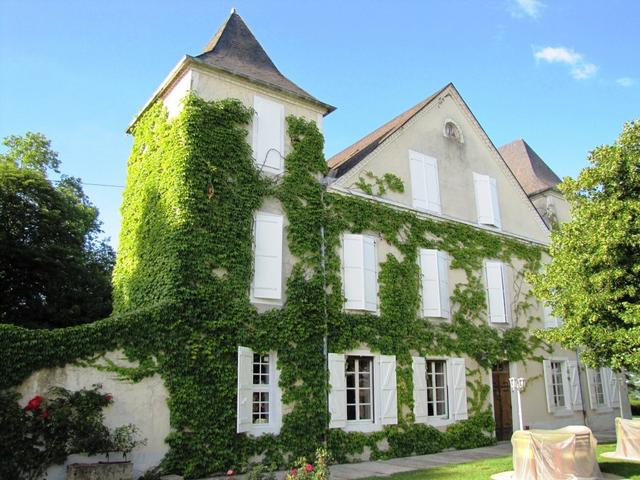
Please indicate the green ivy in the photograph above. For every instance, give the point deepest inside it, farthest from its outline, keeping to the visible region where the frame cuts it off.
(182, 307)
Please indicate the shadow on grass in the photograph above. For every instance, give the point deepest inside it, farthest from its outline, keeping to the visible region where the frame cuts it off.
(617, 467)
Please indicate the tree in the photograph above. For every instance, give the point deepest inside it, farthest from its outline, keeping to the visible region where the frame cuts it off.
(54, 270)
(593, 280)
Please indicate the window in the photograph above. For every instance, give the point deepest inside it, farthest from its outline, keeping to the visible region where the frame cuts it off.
(603, 388)
(562, 384)
(268, 135)
(599, 388)
(557, 385)
(452, 131)
(436, 373)
(360, 272)
(550, 321)
(359, 373)
(487, 205)
(439, 390)
(267, 272)
(261, 385)
(425, 189)
(258, 401)
(496, 294)
(434, 272)
(363, 391)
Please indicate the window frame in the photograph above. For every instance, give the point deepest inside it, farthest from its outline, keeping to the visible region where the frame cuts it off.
(357, 388)
(446, 417)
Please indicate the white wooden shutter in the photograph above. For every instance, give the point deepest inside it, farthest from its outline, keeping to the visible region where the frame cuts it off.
(353, 271)
(496, 292)
(418, 182)
(574, 383)
(483, 198)
(495, 204)
(245, 387)
(360, 273)
(430, 283)
(434, 270)
(370, 264)
(267, 275)
(458, 389)
(338, 392)
(388, 412)
(591, 385)
(549, 320)
(546, 367)
(443, 277)
(609, 383)
(268, 134)
(487, 205)
(425, 187)
(420, 389)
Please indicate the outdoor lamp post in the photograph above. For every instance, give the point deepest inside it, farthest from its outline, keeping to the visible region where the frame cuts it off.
(517, 385)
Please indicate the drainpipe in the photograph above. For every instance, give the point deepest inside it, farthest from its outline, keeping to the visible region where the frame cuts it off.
(325, 337)
(584, 410)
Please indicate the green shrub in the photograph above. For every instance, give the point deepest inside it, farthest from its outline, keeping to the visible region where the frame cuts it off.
(635, 406)
(475, 432)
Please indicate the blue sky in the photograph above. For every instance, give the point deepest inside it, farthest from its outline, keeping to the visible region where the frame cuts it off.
(563, 75)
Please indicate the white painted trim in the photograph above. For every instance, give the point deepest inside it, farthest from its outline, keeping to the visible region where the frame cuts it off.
(441, 217)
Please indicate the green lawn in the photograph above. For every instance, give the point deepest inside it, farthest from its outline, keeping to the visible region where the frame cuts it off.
(483, 469)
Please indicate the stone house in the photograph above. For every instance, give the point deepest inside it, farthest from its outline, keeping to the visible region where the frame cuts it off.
(436, 165)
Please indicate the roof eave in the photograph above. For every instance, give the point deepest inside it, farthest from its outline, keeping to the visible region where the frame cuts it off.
(188, 61)
(325, 106)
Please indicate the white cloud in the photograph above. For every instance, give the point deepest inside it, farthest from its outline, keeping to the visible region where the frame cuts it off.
(626, 82)
(580, 69)
(530, 8)
(583, 71)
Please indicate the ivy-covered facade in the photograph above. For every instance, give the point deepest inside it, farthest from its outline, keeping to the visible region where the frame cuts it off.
(288, 302)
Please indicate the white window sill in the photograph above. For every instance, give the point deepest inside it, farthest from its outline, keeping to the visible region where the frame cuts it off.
(426, 210)
(439, 422)
(362, 426)
(602, 409)
(563, 413)
(266, 301)
(258, 430)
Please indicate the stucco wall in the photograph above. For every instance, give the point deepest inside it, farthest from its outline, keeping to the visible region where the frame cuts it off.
(456, 164)
(143, 404)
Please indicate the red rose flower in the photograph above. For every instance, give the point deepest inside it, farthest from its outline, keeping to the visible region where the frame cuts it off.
(108, 397)
(294, 472)
(308, 467)
(45, 414)
(34, 403)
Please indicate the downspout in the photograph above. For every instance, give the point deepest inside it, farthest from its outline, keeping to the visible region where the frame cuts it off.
(584, 410)
(325, 337)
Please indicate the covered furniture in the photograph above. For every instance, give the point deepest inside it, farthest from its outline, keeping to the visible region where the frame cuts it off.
(627, 441)
(568, 453)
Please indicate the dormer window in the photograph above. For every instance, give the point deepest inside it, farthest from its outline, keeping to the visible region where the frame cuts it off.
(452, 131)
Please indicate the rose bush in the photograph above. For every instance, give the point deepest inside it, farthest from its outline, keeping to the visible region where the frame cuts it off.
(50, 428)
(303, 470)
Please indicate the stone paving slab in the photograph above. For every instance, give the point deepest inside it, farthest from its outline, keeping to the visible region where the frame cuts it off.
(385, 468)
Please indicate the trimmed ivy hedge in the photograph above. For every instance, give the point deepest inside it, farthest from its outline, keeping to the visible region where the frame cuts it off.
(181, 301)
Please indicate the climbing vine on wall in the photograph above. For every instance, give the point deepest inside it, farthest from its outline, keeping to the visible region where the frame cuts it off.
(182, 307)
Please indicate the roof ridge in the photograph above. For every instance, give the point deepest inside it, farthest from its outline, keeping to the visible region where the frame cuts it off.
(349, 156)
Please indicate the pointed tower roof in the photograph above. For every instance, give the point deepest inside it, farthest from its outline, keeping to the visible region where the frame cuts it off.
(534, 175)
(235, 49)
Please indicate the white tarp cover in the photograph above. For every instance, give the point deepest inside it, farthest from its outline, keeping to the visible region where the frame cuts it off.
(568, 453)
(628, 438)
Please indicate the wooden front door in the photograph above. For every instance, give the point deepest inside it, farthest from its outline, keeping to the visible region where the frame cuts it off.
(502, 400)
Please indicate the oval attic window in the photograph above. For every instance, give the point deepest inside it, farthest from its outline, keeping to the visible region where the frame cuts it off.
(452, 131)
